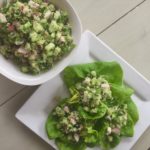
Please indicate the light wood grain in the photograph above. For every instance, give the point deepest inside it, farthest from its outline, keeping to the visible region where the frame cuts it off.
(130, 37)
(144, 142)
(8, 89)
(96, 15)
(13, 134)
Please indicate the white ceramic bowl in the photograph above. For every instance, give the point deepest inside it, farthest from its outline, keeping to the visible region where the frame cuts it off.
(12, 72)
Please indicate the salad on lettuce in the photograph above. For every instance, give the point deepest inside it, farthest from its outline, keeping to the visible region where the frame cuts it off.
(34, 34)
(98, 112)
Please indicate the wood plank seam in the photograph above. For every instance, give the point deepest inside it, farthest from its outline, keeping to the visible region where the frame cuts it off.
(121, 17)
(9, 99)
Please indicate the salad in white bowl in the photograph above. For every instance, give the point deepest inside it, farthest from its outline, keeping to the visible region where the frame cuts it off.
(37, 39)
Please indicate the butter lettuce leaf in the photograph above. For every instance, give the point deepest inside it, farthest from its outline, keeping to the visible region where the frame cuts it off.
(122, 93)
(91, 138)
(64, 145)
(103, 138)
(128, 129)
(111, 71)
(133, 111)
(51, 128)
(90, 116)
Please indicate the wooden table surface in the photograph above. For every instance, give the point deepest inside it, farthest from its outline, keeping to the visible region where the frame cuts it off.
(123, 25)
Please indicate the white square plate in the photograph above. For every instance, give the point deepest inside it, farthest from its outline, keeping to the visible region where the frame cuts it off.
(35, 111)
